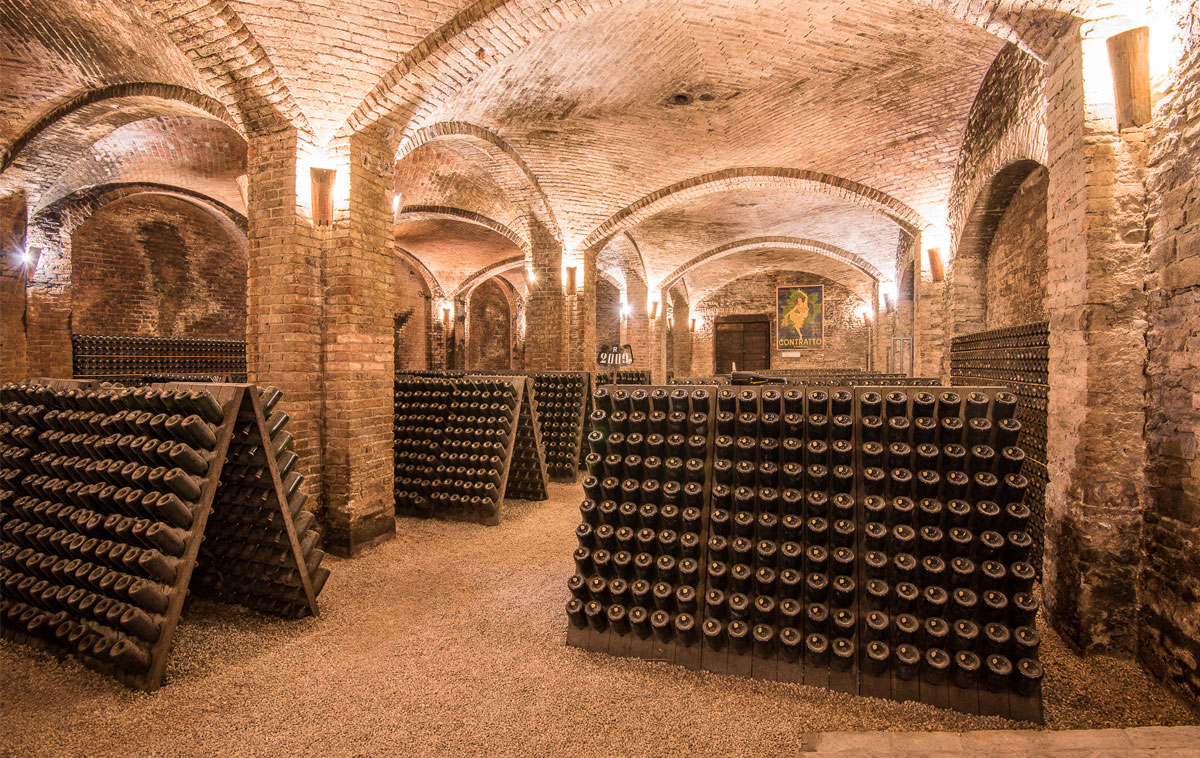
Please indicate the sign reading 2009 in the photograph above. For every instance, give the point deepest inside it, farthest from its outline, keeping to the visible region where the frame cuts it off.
(801, 325)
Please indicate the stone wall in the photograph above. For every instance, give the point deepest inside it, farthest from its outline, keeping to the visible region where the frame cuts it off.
(845, 334)
(489, 329)
(153, 265)
(1169, 632)
(1016, 261)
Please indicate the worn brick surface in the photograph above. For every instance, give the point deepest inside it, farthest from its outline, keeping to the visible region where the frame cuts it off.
(845, 334)
(1169, 637)
(179, 272)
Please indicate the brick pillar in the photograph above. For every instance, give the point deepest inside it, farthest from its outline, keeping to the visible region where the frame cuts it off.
(48, 300)
(683, 338)
(283, 294)
(1097, 312)
(358, 351)
(581, 307)
(657, 337)
(546, 311)
(635, 327)
(13, 272)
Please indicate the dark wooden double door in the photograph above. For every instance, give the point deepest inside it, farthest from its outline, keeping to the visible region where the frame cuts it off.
(744, 341)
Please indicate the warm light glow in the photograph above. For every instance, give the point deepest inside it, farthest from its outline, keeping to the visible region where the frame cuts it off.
(447, 310)
(863, 312)
(653, 309)
(693, 324)
(1166, 41)
(888, 291)
(395, 203)
(670, 322)
(26, 258)
(625, 309)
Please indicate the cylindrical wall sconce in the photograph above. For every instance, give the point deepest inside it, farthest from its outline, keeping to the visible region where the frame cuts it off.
(321, 180)
(1129, 58)
(571, 282)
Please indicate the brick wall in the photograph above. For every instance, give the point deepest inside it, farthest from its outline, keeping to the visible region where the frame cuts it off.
(845, 334)
(413, 334)
(1169, 633)
(489, 328)
(1016, 261)
(608, 314)
(156, 265)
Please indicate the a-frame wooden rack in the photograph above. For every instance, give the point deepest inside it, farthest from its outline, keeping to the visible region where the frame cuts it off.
(121, 617)
(522, 467)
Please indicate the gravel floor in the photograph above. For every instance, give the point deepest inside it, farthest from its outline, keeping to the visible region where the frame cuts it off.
(449, 641)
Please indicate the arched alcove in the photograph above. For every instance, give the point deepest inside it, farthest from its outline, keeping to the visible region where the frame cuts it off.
(489, 328)
(156, 264)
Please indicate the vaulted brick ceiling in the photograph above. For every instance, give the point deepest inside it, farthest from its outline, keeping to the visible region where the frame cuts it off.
(709, 278)
(330, 53)
(459, 249)
(594, 106)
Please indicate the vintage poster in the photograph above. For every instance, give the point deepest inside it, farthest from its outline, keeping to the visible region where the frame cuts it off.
(799, 317)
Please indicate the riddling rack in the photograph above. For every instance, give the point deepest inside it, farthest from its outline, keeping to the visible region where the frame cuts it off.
(840, 537)
(561, 398)
(136, 359)
(1017, 357)
(463, 443)
(106, 495)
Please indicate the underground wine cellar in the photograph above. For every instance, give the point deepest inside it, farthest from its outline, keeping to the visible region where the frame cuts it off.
(634, 377)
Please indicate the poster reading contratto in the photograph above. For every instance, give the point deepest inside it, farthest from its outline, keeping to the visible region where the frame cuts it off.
(798, 314)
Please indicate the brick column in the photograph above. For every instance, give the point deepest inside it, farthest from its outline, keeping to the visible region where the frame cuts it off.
(545, 311)
(635, 327)
(581, 307)
(683, 338)
(358, 351)
(13, 272)
(1097, 312)
(283, 294)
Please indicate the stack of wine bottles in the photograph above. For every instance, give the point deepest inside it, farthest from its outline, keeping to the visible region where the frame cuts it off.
(636, 590)
(560, 397)
(1017, 357)
(105, 494)
(625, 376)
(247, 557)
(460, 441)
(128, 359)
(873, 542)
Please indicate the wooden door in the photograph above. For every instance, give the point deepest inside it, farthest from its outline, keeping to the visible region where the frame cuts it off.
(744, 341)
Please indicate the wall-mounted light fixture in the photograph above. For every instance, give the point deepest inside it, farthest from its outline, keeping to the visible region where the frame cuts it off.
(936, 270)
(447, 312)
(670, 322)
(1129, 59)
(653, 309)
(321, 181)
(571, 285)
(395, 203)
(692, 326)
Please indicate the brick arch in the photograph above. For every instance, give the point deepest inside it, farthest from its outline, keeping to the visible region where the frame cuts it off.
(500, 151)
(784, 179)
(479, 277)
(967, 276)
(488, 31)
(427, 212)
(50, 287)
(773, 243)
(431, 281)
(58, 221)
(170, 95)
